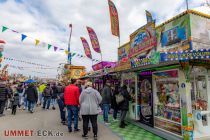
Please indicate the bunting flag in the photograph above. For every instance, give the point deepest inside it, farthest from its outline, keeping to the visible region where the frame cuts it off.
(66, 52)
(23, 37)
(73, 54)
(92, 34)
(86, 47)
(37, 42)
(149, 17)
(49, 46)
(55, 48)
(4, 28)
(94, 40)
(114, 19)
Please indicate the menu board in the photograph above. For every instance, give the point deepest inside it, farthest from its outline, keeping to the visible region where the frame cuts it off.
(146, 104)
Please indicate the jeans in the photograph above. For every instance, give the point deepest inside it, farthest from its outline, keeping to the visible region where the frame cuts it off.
(53, 102)
(25, 103)
(62, 112)
(40, 98)
(46, 101)
(115, 113)
(105, 112)
(31, 105)
(93, 120)
(72, 111)
(2, 105)
(14, 108)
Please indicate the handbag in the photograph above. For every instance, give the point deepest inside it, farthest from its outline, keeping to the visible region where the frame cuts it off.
(119, 98)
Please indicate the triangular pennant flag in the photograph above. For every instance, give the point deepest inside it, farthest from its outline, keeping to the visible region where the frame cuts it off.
(23, 37)
(73, 54)
(4, 28)
(66, 52)
(37, 42)
(49, 46)
(55, 48)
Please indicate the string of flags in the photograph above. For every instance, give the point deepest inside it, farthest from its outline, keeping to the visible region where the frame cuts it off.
(49, 46)
(23, 68)
(26, 62)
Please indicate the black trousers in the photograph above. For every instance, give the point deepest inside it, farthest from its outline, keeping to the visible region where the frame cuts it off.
(2, 105)
(93, 120)
(14, 108)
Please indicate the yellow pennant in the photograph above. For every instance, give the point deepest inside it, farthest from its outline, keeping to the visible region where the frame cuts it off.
(37, 42)
(66, 52)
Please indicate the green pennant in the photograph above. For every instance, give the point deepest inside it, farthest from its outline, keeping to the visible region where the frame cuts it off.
(4, 28)
(73, 54)
(49, 46)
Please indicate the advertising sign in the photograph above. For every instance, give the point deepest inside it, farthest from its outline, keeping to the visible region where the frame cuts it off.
(123, 51)
(200, 30)
(142, 40)
(173, 36)
(185, 55)
(146, 105)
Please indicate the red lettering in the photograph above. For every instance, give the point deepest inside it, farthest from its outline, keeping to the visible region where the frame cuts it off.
(12, 132)
(31, 132)
(26, 132)
(6, 132)
(20, 133)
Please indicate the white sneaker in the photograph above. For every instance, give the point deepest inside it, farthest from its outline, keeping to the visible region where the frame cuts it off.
(115, 120)
(106, 123)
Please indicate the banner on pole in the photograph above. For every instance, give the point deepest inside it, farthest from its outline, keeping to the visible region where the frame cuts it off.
(149, 17)
(94, 40)
(114, 19)
(86, 47)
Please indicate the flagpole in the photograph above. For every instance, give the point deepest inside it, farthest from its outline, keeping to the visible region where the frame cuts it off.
(69, 43)
(187, 4)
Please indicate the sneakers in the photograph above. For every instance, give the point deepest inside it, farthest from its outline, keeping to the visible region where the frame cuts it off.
(70, 130)
(85, 136)
(115, 120)
(76, 130)
(106, 123)
(95, 137)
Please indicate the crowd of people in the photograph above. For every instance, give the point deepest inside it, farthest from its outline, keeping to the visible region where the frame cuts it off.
(74, 100)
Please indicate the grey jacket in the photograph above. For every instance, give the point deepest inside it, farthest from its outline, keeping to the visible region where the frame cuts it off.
(106, 95)
(89, 101)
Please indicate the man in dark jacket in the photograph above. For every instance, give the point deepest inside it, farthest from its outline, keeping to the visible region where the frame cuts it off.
(32, 97)
(3, 97)
(47, 96)
(124, 105)
(60, 101)
(106, 101)
(54, 95)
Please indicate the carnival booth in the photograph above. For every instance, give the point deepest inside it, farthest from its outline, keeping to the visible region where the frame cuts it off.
(171, 61)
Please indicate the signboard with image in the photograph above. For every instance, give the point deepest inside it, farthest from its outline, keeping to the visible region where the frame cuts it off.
(142, 40)
(123, 51)
(173, 36)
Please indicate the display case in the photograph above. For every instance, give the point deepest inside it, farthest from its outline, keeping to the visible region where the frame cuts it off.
(167, 114)
(200, 85)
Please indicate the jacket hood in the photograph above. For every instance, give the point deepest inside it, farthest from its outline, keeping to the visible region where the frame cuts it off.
(88, 90)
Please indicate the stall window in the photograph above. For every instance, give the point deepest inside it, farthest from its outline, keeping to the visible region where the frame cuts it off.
(199, 94)
(167, 114)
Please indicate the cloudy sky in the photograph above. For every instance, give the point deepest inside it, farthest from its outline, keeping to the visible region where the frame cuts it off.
(48, 20)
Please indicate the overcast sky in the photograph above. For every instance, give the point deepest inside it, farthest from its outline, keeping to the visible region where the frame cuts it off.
(48, 20)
